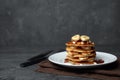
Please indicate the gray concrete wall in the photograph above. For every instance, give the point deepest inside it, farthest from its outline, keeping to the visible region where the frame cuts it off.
(38, 23)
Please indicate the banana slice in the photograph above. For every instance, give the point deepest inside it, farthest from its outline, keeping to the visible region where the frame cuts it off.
(76, 37)
(85, 38)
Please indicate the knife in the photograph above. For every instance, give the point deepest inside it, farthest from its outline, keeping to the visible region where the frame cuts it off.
(36, 59)
(39, 58)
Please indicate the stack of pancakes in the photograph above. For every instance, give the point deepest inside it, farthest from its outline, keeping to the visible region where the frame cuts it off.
(80, 50)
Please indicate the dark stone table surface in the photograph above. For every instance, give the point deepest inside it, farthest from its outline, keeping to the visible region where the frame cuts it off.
(10, 58)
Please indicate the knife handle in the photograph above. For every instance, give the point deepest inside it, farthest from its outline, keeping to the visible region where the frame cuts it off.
(35, 61)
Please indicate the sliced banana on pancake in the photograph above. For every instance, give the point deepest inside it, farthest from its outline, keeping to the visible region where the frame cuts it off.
(76, 37)
(85, 38)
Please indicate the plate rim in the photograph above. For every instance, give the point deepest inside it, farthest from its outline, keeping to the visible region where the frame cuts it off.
(82, 66)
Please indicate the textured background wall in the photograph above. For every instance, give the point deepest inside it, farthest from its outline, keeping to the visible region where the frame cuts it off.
(38, 23)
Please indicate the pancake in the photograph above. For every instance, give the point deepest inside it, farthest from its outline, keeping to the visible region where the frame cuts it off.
(73, 43)
(80, 50)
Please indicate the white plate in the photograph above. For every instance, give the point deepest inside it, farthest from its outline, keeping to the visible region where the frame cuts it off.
(58, 58)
